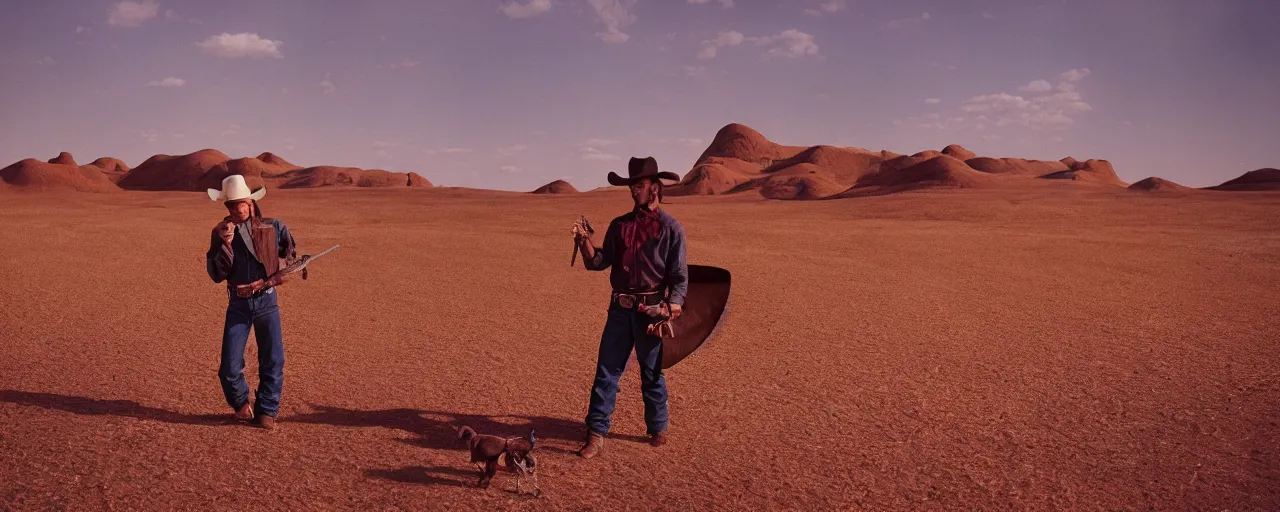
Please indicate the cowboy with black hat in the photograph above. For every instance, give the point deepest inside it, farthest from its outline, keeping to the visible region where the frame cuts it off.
(246, 250)
(646, 250)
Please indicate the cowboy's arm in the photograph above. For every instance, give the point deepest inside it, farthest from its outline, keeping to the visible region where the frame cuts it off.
(218, 259)
(600, 258)
(677, 280)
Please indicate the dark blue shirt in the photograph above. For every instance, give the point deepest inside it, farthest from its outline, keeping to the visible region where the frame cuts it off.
(659, 263)
(237, 264)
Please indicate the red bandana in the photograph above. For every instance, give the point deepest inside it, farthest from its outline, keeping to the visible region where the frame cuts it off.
(646, 226)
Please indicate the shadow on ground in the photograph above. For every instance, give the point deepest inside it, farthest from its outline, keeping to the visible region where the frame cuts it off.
(124, 408)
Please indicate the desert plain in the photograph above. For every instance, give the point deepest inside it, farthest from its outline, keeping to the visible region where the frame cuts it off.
(1030, 345)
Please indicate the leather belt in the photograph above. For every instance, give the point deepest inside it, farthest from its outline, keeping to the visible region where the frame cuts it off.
(630, 300)
(246, 292)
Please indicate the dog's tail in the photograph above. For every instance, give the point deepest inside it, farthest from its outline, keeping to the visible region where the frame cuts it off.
(465, 433)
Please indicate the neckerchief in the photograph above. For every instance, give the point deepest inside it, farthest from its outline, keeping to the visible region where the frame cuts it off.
(646, 226)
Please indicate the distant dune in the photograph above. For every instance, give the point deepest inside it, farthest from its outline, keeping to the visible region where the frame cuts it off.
(330, 176)
(1261, 179)
(58, 173)
(556, 187)
(1154, 184)
(741, 159)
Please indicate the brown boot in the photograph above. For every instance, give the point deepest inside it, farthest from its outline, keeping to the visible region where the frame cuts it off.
(245, 412)
(264, 421)
(658, 439)
(592, 447)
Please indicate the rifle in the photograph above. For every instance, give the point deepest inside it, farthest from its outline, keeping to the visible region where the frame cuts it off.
(586, 225)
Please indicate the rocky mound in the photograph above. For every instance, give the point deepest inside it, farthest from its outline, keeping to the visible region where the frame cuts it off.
(256, 171)
(113, 168)
(941, 171)
(332, 176)
(740, 142)
(1015, 166)
(556, 187)
(714, 175)
(803, 181)
(1261, 179)
(170, 172)
(1154, 184)
(63, 158)
(32, 174)
(1089, 171)
(958, 152)
(838, 165)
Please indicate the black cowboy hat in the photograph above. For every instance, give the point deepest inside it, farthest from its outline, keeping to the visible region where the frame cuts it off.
(641, 168)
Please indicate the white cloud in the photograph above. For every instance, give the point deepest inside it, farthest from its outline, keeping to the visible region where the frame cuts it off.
(694, 70)
(728, 38)
(1044, 109)
(149, 135)
(1036, 86)
(600, 142)
(131, 13)
(827, 6)
(528, 10)
(590, 153)
(384, 144)
(727, 4)
(241, 45)
(46, 61)
(789, 43)
(456, 150)
(907, 22)
(167, 82)
(80, 29)
(513, 149)
(406, 64)
(614, 14)
(509, 168)
(231, 131)
(326, 85)
(690, 141)
(932, 101)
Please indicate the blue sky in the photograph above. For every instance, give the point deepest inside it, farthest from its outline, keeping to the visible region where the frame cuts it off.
(511, 95)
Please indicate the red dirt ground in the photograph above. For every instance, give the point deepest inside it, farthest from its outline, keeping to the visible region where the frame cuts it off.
(977, 349)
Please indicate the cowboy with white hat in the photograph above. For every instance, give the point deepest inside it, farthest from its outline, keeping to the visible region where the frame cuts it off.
(246, 250)
(646, 250)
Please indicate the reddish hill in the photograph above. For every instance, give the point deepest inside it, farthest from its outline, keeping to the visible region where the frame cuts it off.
(1015, 166)
(256, 171)
(1154, 184)
(556, 187)
(805, 181)
(60, 173)
(941, 171)
(331, 176)
(1089, 171)
(958, 152)
(1261, 179)
(113, 168)
(63, 158)
(170, 172)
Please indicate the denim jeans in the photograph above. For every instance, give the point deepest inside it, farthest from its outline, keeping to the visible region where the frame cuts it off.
(623, 330)
(261, 312)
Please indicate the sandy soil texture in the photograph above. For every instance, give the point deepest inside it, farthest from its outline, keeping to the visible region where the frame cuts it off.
(1049, 348)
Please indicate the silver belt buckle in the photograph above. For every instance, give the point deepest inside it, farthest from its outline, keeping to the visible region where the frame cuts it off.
(626, 301)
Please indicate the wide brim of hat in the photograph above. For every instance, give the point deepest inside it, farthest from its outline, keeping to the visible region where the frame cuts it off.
(618, 181)
(216, 194)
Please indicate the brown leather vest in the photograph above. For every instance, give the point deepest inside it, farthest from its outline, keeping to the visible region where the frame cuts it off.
(264, 244)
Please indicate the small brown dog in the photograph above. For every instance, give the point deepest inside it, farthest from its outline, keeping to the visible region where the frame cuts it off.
(487, 449)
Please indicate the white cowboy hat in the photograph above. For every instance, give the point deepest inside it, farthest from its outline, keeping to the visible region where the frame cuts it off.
(234, 189)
